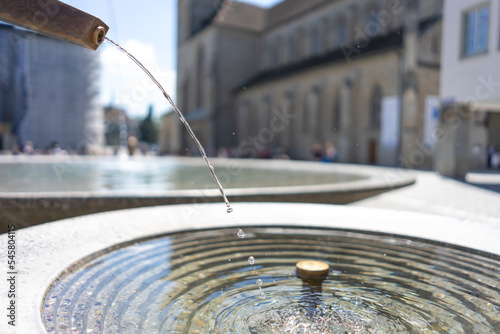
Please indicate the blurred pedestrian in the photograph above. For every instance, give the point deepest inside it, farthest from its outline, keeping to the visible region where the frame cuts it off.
(317, 151)
(131, 144)
(223, 152)
(491, 152)
(281, 154)
(28, 148)
(331, 154)
(16, 150)
(495, 159)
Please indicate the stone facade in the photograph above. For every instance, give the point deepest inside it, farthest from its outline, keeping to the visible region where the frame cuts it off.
(118, 126)
(49, 92)
(169, 134)
(354, 73)
(470, 86)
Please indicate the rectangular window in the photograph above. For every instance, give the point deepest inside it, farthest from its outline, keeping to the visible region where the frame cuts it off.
(476, 31)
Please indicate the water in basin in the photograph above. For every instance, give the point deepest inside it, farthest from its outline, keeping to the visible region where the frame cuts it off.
(149, 175)
(203, 282)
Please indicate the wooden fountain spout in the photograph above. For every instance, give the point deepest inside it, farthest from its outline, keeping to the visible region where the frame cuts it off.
(55, 19)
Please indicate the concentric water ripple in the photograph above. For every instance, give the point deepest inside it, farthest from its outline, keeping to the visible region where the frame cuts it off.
(202, 282)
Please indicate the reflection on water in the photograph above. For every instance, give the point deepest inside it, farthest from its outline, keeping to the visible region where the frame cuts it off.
(202, 282)
(146, 176)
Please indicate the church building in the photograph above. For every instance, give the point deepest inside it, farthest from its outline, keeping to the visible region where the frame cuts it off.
(362, 75)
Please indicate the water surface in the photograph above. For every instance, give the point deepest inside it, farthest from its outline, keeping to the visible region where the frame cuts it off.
(148, 175)
(202, 282)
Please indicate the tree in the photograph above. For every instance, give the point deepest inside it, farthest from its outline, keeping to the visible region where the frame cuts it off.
(148, 129)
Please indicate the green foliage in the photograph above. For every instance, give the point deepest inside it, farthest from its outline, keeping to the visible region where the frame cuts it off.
(148, 128)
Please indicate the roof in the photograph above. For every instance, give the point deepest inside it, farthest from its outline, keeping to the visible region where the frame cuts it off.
(378, 44)
(291, 8)
(240, 15)
(245, 16)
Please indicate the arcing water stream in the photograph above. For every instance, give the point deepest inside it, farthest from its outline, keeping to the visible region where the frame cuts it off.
(181, 117)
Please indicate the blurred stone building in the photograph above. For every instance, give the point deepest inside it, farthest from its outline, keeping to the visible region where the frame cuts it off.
(362, 74)
(48, 93)
(169, 134)
(118, 126)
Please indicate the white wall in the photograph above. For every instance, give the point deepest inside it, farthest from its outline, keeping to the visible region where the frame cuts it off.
(469, 78)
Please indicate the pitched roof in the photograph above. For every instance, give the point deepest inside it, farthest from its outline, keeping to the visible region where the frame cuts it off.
(240, 15)
(245, 16)
(290, 8)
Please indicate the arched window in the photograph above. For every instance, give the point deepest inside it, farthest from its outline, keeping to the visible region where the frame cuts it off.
(306, 115)
(340, 31)
(293, 48)
(244, 119)
(264, 112)
(253, 118)
(311, 111)
(185, 95)
(375, 107)
(273, 54)
(280, 53)
(200, 76)
(302, 39)
(314, 41)
(337, 112)
(323, 34)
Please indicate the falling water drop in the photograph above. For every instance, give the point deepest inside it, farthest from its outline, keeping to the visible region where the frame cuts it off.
(241, 234)
(259, 282)
(251, 260)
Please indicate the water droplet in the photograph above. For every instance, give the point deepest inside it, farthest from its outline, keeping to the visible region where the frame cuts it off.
(229, 260)
(262, 295)
(251, 260)
(229, 209)
(259, 282)
(241, 234)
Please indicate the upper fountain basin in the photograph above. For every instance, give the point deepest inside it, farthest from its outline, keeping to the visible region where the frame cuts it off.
(49, 189)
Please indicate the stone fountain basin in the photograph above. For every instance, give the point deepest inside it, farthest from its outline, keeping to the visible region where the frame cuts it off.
(47, 250)
(34, 207)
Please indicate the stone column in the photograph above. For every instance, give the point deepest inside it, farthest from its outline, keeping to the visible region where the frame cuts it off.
(346, 130)
(452, 142)
(409, 115)
(314, 114)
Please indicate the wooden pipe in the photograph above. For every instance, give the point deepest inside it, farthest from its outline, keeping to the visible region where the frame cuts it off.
(55, 19)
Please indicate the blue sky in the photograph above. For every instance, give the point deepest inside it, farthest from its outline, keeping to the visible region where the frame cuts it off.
(147, 29)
